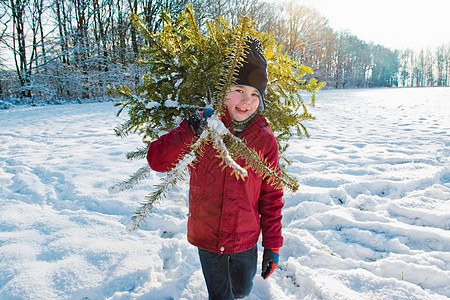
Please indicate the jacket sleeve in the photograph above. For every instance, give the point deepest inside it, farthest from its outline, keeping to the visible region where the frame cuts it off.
(164, 153)
(270, 204)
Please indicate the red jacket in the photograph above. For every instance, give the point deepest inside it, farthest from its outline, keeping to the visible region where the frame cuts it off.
(226, 215)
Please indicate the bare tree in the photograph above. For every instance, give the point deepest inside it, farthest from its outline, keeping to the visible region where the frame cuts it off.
(19, 46)
(442, 65)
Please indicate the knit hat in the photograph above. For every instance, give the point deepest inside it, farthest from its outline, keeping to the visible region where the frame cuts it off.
(253, 71)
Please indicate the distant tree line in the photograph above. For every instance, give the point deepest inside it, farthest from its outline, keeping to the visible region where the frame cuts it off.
(72, 49)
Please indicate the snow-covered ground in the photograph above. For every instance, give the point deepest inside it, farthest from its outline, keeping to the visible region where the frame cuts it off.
(370, 221)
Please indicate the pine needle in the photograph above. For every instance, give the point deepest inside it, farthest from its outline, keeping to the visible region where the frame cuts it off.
(134, 179)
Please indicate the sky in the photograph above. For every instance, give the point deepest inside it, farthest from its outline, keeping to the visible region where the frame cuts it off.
(396, 24)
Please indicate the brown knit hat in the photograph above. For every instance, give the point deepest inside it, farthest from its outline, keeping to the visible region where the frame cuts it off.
(253, 72)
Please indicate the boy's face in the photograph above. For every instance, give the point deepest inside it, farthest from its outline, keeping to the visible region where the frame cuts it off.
(242, 102)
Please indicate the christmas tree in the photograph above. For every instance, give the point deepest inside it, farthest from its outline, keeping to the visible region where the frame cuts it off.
(189, 69)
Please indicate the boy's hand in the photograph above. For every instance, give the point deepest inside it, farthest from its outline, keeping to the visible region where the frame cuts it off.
(270, 261)
(198, 120)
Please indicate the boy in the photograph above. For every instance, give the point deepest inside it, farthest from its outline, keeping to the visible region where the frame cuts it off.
(227, 215)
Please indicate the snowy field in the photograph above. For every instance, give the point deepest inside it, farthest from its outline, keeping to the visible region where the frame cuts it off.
(371, 219)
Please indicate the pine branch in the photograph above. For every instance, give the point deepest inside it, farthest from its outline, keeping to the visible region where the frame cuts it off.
(140, 26)
(256, 162)
(171, 179)
(122, 130)
(235, 147)
(230, 70)
(138, 154)
(224, 154)
(193, 21)
(134, 179)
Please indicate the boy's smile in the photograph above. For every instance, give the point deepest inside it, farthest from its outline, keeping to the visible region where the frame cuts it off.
(242, 102)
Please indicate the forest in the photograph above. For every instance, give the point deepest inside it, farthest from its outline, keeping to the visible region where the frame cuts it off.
(58, 50)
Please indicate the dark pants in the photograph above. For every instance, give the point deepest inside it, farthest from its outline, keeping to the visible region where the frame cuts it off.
(228, 276)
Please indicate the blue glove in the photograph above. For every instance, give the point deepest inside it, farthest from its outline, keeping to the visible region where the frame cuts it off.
(270, 261)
